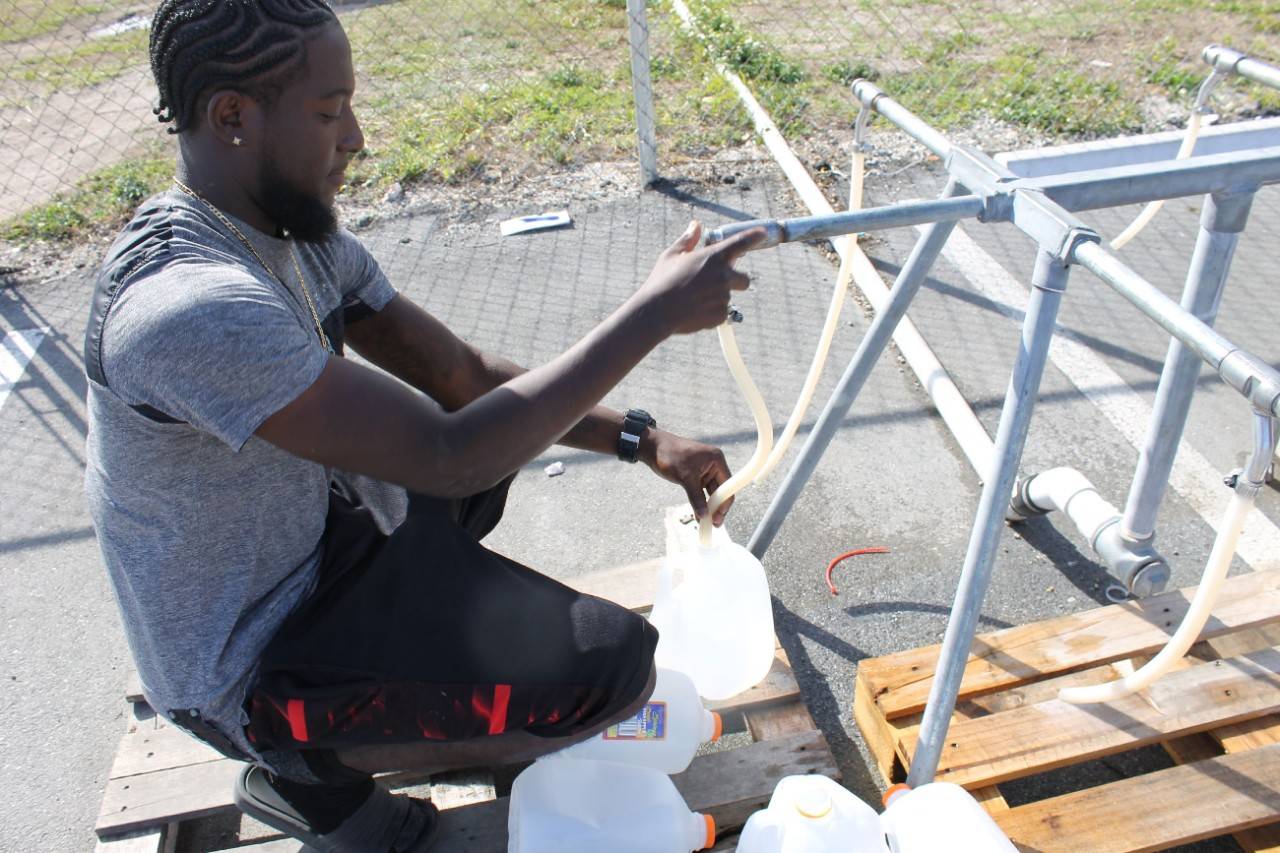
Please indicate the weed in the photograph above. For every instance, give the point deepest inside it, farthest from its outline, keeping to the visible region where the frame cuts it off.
(845, 73)
(105, 198)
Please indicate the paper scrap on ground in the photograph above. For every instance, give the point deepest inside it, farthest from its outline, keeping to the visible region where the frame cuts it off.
(555, 469)
(551, 219)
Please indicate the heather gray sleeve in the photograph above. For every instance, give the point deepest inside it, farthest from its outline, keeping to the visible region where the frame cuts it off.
(215, 348)
(365, 288)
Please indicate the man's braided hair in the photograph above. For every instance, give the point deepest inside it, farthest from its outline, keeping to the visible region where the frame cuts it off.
(252, 46)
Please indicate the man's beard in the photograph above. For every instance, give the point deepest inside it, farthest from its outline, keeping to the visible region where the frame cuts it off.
(304, 216)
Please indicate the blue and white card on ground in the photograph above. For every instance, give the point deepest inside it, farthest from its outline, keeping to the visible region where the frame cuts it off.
(538, 222)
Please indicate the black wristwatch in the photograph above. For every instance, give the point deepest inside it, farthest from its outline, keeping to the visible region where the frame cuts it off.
(634, 423)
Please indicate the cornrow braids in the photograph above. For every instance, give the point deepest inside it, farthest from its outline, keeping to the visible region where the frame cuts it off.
(253, 46)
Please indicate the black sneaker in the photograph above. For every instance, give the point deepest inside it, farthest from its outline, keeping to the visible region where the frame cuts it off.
(385, 823)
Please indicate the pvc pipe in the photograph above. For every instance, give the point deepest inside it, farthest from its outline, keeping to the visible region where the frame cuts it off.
(946, 397)
(1215, 572)
(1070, 492)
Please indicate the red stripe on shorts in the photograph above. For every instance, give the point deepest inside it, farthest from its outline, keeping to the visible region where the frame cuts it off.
(498, 717)
(297, 720)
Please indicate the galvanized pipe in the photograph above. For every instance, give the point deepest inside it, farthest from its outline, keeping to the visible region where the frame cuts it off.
(1221, 221)
(905, 287)
(1143, 182)
(875, 98)
(1049, 281)
(1226, 59)
(851, 222)
(1243, 371)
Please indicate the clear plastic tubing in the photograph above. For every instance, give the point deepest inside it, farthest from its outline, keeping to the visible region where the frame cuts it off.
(1149, 212)
(768, 454)
(1224, 548)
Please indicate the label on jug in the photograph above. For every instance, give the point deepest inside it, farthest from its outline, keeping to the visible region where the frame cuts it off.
(649, 724)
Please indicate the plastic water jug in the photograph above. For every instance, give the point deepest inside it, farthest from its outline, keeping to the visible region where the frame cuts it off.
(582, 806)
(717, 624)
(940, 816)
(664, 735)
(813, 814)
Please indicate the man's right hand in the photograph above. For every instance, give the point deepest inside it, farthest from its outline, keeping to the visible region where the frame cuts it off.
(689, 287)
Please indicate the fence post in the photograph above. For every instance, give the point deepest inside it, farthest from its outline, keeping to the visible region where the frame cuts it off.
(642, 89)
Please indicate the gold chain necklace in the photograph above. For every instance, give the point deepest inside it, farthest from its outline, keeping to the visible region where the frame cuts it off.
(293, 255)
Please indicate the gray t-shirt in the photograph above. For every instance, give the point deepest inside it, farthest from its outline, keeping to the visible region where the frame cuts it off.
(210, 535)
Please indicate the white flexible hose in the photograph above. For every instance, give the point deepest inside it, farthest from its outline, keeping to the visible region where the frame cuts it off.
(1215, 572)
(764, 432)
(768, 454)
(1149, 212)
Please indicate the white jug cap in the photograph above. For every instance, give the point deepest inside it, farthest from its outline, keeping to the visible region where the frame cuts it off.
(812, 801)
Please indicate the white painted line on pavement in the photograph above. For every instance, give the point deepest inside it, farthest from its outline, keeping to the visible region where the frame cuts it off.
(1192, 477)
(16, 352)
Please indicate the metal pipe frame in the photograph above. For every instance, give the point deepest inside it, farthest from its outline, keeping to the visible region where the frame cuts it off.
(1061, 239)
(1049, 282)
(779, 231)
(1223, 218)
(1147, 148)
(1226, 59)
(905, 288)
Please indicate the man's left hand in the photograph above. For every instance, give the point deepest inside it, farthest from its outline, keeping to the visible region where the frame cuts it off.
(699, 468)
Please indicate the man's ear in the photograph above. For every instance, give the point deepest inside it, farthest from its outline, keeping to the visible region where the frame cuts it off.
(233, 117)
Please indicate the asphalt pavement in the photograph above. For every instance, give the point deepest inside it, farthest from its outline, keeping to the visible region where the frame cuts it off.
(893, 476)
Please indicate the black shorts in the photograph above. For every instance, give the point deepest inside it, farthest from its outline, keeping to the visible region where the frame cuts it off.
(426, 634)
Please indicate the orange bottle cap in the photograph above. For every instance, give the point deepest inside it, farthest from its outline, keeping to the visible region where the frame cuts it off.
(893, 792)
(711, 832)
(719, 729)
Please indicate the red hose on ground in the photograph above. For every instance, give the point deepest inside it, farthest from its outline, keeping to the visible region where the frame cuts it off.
(846, 555)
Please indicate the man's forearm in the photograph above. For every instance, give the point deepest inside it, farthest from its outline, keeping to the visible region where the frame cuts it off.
(597, 432)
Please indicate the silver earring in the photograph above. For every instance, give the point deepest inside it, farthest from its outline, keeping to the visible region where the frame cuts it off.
(237, 141)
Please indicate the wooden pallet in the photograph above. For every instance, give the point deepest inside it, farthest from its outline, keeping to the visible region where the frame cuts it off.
(1216, 715)
(162, 778)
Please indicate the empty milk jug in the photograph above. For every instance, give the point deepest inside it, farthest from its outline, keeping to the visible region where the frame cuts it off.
(940, 816)
(665, 735)
(717, 625)
(813, 814)
(583, 806)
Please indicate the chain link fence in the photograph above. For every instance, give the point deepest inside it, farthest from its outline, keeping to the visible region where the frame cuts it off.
(477, 93)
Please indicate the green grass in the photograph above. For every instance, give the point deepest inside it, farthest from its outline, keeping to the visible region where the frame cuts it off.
(25, 19)
(453, 89)
(92, 62)
(539, 90)
(104, 199)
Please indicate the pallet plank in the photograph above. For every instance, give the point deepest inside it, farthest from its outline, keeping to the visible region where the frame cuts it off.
(900, 683)
(1050, 734)
(146, 749)
(630, 586)
(1156, 810)
(728, 785)
(143, 841)
(181, 793)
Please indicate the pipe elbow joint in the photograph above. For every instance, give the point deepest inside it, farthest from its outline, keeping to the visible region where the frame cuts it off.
(1222, 57)
(1136, 564)
(866, 92)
